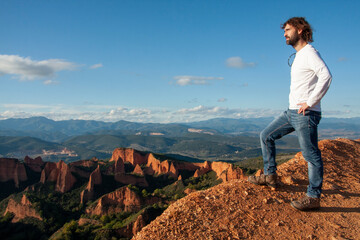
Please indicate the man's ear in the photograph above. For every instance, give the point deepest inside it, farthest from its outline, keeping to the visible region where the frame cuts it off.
(299, 31)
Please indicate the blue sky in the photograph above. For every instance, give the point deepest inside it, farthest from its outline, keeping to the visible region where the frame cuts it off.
(167, 60)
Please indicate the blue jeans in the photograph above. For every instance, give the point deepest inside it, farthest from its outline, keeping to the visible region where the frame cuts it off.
(306, 129)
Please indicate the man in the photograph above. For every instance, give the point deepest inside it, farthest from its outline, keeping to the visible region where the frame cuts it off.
(310, 80)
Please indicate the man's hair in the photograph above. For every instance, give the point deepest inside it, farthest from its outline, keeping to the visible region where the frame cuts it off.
(301, 24)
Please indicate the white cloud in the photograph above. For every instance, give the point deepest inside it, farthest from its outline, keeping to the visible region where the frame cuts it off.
(195, 80)
(342, 59)
(122, 111)
(27, 69)
(238, 62)
(222, 99)
(50, 82)
(115, 113)
(203, 112)
(99, 65)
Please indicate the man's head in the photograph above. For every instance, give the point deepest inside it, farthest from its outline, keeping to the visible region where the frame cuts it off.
(302, 31)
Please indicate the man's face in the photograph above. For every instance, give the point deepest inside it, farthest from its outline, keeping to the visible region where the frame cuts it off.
(291, 35)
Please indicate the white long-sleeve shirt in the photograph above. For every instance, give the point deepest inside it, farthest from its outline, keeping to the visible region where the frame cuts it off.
(310, 79)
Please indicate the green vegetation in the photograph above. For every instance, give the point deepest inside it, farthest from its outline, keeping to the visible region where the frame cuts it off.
(251, 165)
(111, 226)
(28, 228)
(203, 182)
(54, 207)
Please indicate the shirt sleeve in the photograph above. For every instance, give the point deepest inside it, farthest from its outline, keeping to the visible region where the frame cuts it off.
(324, 79)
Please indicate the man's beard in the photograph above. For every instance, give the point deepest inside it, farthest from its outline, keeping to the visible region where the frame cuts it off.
(293, 40)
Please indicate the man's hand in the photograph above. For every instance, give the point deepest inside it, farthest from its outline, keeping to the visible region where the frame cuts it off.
(303, 107)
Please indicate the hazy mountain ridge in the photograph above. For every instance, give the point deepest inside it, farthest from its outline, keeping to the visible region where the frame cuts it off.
(60, 131)
(195, 146)
(214, 139)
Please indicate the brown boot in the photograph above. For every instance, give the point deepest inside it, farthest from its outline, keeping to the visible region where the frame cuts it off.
(269, 180)
(306, 203)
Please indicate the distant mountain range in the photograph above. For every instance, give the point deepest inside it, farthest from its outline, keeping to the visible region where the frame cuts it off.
(214, 139)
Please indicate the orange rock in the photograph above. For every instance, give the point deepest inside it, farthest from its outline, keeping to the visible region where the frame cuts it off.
(46, 172)
(204, 168)
(59, 173)
(128, 155)
(94, 179)
(79, 167)
(119, 167)
(196, 174)
(36, 164)
(122, 199)
(21, 210)
(138, 224)
(153, 163)
(189, 190)
(65, 179)
(164, 167)
(84, 163)
(227, 171)
(12, 169)
(131, 179)
(138, 170)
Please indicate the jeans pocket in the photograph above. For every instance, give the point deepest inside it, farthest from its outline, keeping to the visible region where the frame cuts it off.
(314, 119)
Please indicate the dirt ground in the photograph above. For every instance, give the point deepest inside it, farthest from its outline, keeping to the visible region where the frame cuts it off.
(240, 210)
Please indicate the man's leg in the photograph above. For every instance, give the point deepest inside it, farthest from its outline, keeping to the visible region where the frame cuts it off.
(275, 130)
(306, 128)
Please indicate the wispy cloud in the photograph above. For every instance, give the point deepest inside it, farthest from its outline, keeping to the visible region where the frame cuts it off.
(28, 69)
(342, 59)
(50, 82)
(238, 62)
(95, 66)
(195, 80)
(207, 112)
(116, 113)
(129, 112)
(222, 100)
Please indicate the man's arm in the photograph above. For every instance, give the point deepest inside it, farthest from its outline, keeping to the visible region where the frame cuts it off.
(324, 79)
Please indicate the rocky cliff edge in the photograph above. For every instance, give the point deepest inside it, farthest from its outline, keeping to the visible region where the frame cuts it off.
(239, 210)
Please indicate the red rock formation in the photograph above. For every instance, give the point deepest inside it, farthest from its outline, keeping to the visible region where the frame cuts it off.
(189, 166)
(128, 155)
(119, 167)
(49, 173)
(59, 173)
(12, 169)
(173, 171)
(138, 224)
(79, 167)
(138, 170)
(131, 179)
(94, 179)
(227, 171)
(85, 163)
(65, 179)
(189, 190)
(204, 168)
(164, 167)
(21, 210)
(196, 174)
(36, 164)
(123, 199)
